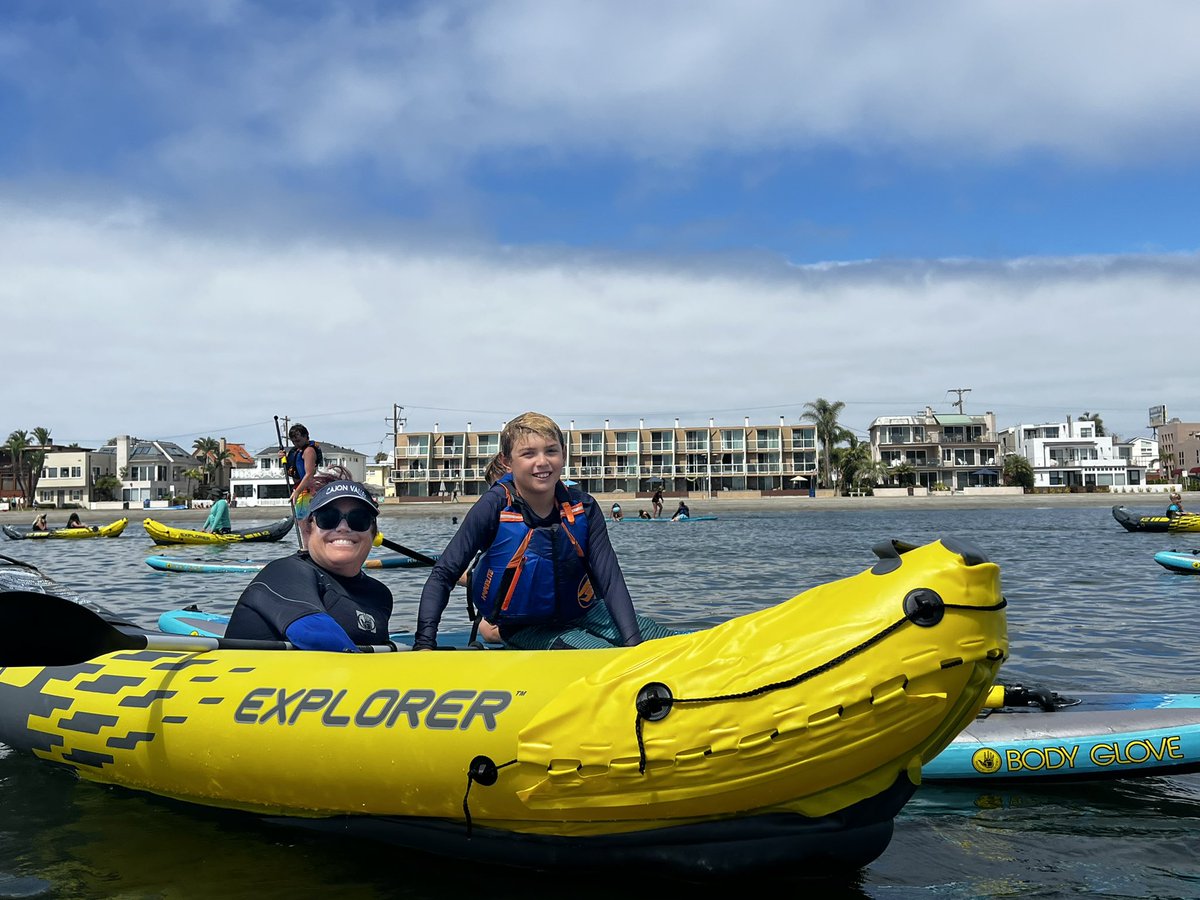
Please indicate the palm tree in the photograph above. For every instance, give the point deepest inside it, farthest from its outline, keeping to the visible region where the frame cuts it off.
(1017, 471)
(1094, 417)
(216, 465)
(824, 415)
(37, 458)
(204, 449)
(906, 474)
(851, 460)
(873, 474)
(107, 486)
(194, 474)
(17, 444)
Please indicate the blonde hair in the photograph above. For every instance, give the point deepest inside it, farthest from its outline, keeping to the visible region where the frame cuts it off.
(529, 424)
(496, 470)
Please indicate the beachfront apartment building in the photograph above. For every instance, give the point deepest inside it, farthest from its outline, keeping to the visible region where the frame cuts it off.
(264, 482)
(938, 451)
(1180, 445)
(1070, 454)
(777, 458)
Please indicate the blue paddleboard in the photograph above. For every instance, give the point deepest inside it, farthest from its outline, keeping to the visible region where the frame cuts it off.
(174, 564)
(1102, 736)
(1185, 562)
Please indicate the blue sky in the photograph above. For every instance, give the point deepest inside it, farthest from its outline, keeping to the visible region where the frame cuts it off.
(232, 210)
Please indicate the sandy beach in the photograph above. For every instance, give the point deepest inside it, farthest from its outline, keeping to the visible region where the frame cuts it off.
(1149, 503)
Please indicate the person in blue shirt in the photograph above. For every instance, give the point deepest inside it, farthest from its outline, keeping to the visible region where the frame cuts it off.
(218, 517)
(319, 598)
(1175, 510)
(682, 513)
(547, 576)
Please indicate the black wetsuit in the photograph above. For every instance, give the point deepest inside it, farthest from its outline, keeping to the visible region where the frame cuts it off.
(293, 587)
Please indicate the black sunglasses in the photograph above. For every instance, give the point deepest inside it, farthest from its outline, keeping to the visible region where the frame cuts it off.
(329, 517)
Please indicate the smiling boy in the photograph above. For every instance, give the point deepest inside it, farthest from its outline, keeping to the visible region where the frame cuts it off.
(548, 577)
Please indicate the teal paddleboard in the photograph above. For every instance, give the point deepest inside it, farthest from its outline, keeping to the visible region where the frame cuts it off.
(175, 564)
(1186, 562)
(1099, 736)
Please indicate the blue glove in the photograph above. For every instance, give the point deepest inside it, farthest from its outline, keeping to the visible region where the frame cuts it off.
(318, 631)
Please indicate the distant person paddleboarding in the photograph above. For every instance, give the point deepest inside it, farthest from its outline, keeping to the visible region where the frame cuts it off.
(682, 513)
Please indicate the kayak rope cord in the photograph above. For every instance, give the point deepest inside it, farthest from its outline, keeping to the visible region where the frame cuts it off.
(923, 607)
(485, 772)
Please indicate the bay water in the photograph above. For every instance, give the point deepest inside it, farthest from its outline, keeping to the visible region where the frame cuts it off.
(1088, 610)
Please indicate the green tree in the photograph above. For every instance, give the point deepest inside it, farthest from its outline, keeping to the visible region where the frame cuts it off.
(36, 458)
(107, 487)
(215, 466)
(17, 444)
(850, 461)
(203, 449)
(194, 474)
(1017, 472)
(830, 433)
(874, 474)
(906, 474)
(1094, 417)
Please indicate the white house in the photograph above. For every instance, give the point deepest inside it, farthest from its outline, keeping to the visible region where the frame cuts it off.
(69, 476)
(1070, 454)
(1141, 452)
(265, 483)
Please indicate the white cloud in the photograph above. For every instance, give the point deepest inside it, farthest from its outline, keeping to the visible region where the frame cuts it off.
(178, 333)
(427, 88)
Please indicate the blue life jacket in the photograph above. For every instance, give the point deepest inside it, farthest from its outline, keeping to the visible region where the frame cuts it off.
(535, 576)
(295, 461)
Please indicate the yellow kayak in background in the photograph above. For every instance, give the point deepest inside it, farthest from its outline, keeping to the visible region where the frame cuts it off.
(165, 534)
(112, 529)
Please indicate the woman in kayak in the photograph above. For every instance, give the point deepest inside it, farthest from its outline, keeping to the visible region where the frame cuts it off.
(319, 598)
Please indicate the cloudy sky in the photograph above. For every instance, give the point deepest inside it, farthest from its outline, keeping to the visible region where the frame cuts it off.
(212, 214)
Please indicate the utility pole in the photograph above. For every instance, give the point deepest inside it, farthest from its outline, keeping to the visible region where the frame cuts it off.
(960, 392)
(398, 422)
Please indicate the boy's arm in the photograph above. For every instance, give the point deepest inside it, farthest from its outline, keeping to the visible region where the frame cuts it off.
(610, 581)
(476, 533)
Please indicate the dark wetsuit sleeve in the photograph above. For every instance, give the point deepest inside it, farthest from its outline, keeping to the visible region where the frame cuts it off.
(610, 582)
(476, 533)
(284, 591)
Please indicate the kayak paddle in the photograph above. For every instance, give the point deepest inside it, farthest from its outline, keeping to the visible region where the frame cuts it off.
(45, 630)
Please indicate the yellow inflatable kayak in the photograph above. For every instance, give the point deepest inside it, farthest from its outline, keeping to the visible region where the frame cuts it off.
(165, 534)
(112, 529)
(788, 736)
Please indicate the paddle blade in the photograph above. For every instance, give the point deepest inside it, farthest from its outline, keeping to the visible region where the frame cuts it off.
(45, 630)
